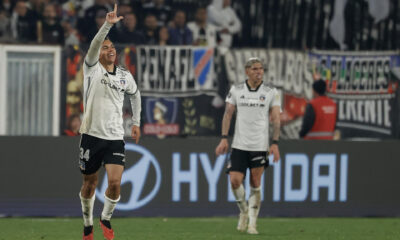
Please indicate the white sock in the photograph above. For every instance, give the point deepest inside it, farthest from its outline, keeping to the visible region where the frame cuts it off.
(87, 209)
(254, 205)
(240, 196)
(109, 206)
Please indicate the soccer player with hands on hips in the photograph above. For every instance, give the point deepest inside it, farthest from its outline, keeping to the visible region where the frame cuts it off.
(255, 104)
(105, 86)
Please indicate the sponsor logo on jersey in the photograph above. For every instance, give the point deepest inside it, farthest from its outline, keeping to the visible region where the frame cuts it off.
(251, 104)
(112, 86)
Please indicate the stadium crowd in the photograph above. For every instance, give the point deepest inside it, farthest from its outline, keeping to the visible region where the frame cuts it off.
(146, 22)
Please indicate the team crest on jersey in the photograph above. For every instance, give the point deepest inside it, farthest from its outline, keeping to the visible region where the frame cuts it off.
(262, 97)
(122, 82)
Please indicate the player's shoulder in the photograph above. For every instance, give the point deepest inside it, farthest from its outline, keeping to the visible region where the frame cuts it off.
(268, 88)
(88, 65)
(90, 69)
(124, 72)
(123, 69)
(239, 86)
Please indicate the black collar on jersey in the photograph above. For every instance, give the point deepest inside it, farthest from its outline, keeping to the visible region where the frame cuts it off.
(255, 90)
(114, 71)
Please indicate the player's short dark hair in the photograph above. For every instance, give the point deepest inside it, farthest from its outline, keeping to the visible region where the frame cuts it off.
(107, 38)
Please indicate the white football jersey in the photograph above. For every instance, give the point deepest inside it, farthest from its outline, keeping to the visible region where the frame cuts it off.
(252, 115)
(103, 101)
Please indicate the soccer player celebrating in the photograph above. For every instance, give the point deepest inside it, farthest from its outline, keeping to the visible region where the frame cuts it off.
(254, 103)
(105, 85)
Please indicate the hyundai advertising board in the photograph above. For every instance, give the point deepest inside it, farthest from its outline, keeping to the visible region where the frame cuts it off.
(39, 176)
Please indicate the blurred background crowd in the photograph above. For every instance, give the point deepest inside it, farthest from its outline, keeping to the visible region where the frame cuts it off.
(303, 24)
(145, 22)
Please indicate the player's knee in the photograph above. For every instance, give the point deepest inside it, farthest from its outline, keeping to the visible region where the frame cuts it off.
(255, 183)
(90, 185)
(114, 185)
(235, 183)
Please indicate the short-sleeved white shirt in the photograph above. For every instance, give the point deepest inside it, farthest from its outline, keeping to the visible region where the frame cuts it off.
(103, 101)
(252, 115)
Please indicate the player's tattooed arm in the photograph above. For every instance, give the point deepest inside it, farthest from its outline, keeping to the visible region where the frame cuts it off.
(276, 122)
(226, 121)
(276, 128)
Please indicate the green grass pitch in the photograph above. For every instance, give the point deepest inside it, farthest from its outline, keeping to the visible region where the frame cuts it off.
(205, 228)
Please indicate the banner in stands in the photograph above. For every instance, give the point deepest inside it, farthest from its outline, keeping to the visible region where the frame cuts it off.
(183, 177)
(364, 88)
(176, 71)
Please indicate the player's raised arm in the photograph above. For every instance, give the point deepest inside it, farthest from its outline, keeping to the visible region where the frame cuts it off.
(94, 50)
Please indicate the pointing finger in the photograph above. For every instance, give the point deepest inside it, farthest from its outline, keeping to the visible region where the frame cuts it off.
(115, 8)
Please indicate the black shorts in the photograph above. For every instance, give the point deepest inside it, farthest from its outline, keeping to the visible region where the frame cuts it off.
(240, 160)
(93, 152)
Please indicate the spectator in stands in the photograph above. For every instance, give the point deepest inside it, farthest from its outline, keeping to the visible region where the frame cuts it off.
(74, 9)
(160, 9)
(23, 23)
(51, 30)
(5, 30)
(163, 36)
(124, 9)
(89, 20)
(37, 5)
(179, 33)
(73, 125)
(129, 33)
(221, 14)
(204, 34)
(320, 117)
(7, 6)
(100, 19)
(70, 34)
(150, 30)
